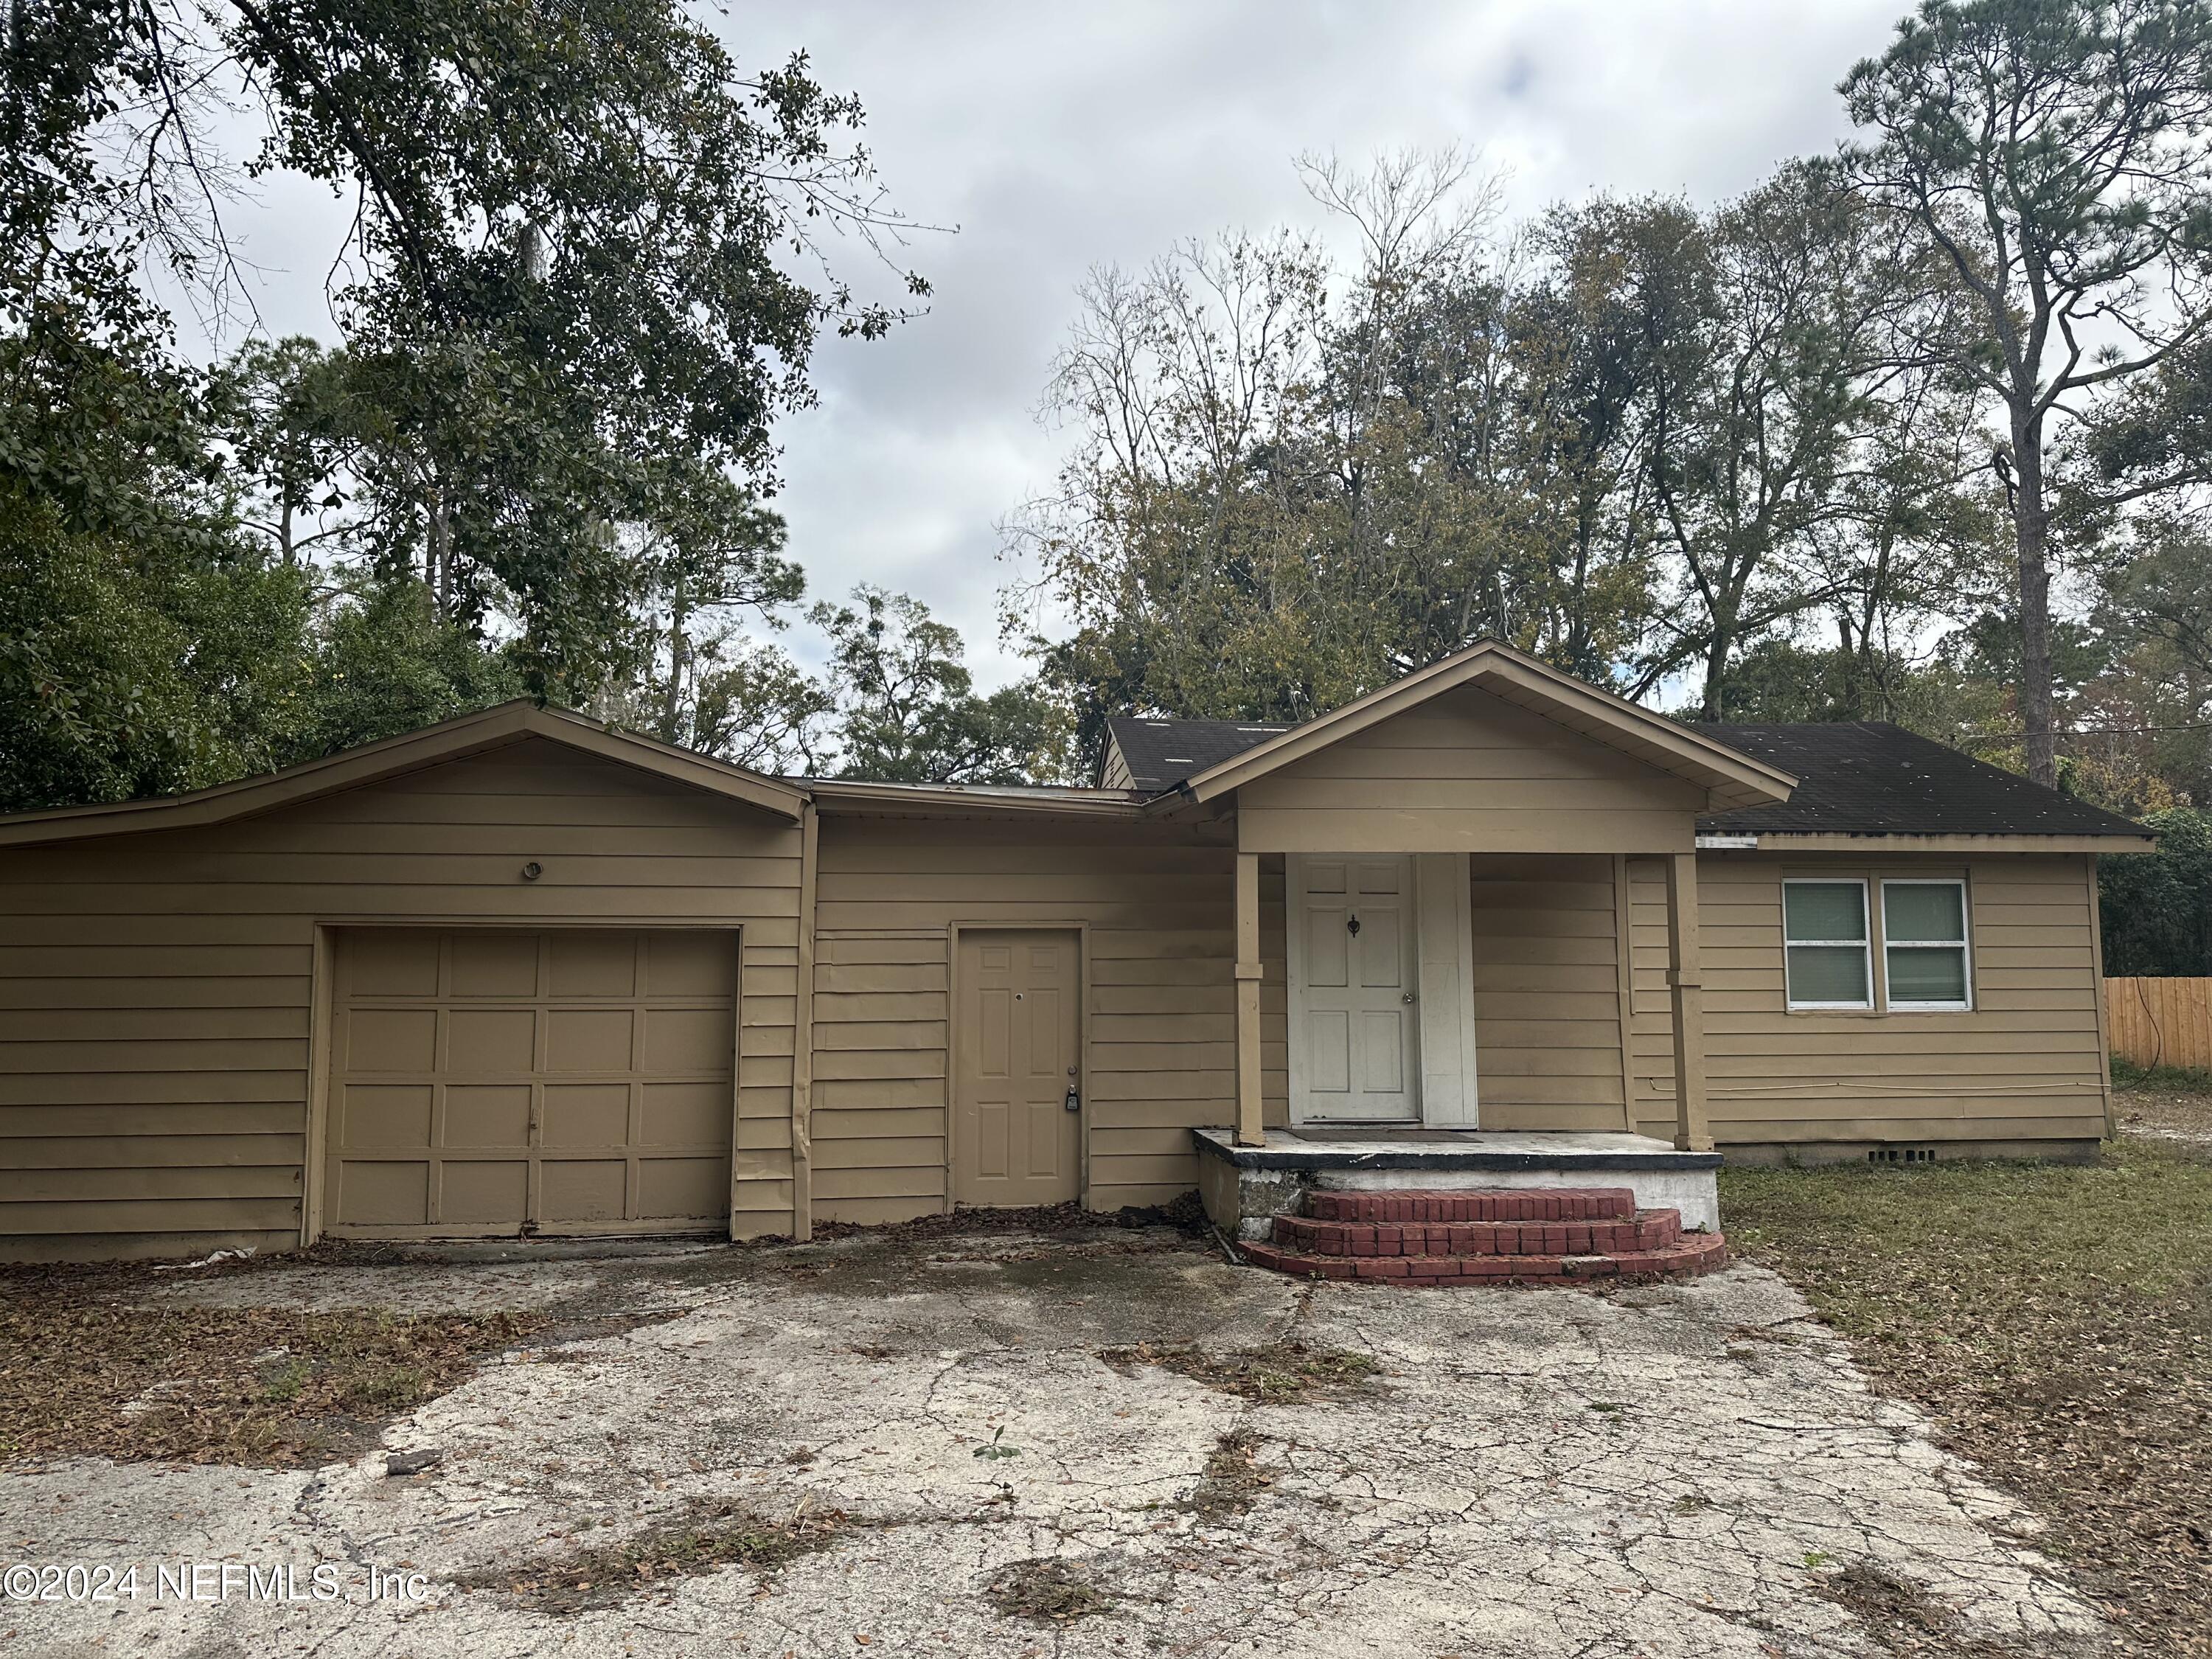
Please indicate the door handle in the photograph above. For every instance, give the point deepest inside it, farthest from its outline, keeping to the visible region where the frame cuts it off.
(1408, 997)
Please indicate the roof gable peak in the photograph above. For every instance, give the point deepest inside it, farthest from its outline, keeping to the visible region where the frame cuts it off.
(1731, 778)
(389, 757)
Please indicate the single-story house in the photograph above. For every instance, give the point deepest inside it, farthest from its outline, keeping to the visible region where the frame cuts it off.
(521, 973)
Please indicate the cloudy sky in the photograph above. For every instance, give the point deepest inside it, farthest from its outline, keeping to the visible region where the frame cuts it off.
(1060, 135)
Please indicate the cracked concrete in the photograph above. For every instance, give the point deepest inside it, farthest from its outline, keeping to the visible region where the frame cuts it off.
(1661, 1474)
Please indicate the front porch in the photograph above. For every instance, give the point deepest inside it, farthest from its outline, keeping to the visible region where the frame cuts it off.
(1245, 1186)
(1407, 1017)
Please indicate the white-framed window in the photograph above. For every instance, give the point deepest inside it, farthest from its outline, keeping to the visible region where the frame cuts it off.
(1926, 961)
(1827, 955)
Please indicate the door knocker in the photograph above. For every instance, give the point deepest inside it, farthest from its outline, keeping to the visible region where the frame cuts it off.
(1353, 927)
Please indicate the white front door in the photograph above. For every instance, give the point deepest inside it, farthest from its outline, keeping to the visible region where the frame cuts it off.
(1355, 1054)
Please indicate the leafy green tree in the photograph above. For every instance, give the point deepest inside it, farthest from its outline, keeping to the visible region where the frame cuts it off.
(1779, 680)
(1764, 328)
(1292, 484)
(2144, 718)
(705, 569)
(2157, 908)
(571, 309)
(385, 662)
(284, 412)
(906, 709)
(145, 646)
(136, 667)
(1630, 451)
(708, 577)
(751, 704)
(1574, 432)
(2053, 154)
(1913, 538)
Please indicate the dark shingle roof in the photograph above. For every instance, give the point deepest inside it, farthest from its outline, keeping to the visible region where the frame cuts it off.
(1870, 777)
(1862, 777)
(1161, 754)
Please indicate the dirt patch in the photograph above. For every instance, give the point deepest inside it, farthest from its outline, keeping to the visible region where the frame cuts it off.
(1900, 1617)
(1234, 1478)
(706, 1536)
(1049, 1591)
(2158, 1105)
(1185, 1214)
(1278, 1373)
(89, 1368)
(2056, 1322)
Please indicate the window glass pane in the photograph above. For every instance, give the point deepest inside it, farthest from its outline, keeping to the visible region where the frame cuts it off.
(1824, 910)
(1935, 913)
(1827, 973)
(1928, 975)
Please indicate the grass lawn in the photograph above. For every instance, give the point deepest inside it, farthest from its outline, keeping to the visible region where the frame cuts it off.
(2054, 1321)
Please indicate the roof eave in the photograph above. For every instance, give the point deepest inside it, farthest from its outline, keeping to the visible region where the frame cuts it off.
(850, 796)
(1861, 840)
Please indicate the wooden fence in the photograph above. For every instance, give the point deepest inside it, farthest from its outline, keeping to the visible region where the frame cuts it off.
(2161, 1022)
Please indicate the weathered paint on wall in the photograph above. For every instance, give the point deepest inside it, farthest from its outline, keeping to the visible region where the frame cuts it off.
(157, 989)
(2023, 1064)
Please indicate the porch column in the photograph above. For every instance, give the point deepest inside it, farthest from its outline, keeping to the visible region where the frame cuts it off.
(1248, 1130)
(1685, 996)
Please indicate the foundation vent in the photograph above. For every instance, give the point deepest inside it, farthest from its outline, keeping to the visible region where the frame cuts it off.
(1902, 1154)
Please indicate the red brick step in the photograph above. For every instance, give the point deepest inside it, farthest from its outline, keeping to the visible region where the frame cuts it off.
(1487, 1204)
(1647, 1230)
(1486, 1236)
(1689, 1256)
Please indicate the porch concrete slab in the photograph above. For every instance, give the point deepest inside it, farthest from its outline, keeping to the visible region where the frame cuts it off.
(1453, 1148)
(1692, 1472)
(1245, 1187)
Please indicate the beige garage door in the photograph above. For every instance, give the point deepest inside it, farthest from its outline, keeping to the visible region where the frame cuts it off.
(488, 1083)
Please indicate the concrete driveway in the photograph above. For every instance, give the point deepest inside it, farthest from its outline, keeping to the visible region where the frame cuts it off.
(1685, 1471)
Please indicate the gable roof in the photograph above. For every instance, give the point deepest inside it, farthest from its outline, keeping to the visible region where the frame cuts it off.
(1853, 777)
(1731, 779)
(373, 763)
(1870, 777)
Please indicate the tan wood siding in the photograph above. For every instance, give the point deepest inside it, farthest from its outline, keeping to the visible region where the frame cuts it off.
(1547, 993)
(154, 989)
(1157, 911)
(2022, 1064)
(1472, 773)
(1113, 772)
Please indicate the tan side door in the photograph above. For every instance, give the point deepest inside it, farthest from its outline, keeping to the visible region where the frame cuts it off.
(1014, 1141)
(486, 1082)
(1357, 1034)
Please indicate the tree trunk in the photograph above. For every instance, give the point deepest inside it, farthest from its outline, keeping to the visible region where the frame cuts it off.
(679, 649)
(2031, 527)
(440, 557)
(1716, 656)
